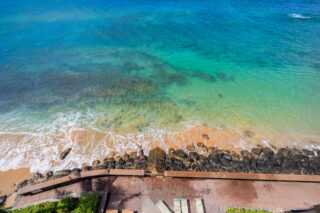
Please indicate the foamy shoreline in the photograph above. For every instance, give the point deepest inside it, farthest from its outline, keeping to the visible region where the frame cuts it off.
(41, 153)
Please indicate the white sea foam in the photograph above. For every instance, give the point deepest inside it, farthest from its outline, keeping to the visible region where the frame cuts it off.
(40, 151)
(296, 15)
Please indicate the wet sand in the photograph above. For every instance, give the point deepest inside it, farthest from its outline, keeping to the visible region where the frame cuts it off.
(10, 179)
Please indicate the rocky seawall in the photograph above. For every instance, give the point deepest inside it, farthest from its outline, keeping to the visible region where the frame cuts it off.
(266, 160)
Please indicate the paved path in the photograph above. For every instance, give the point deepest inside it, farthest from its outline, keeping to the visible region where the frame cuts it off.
(141, 194)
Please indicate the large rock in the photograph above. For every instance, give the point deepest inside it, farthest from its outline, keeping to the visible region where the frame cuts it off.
(245, 153)
(36, 178)
(86, 168)
(3, 199)
(193, 157)
(64, 154)
(61, 173)
(125, 157)
(285, 152)
(180, 154)
(171, 153)
(120, 164)
(23, 184)
(214, 157)
(95, 163)
(234, 156)
(110, 163)
(133, 155)
(75, 171)
(48, 175)
(308, 152)
(257, 151)
(141, 155)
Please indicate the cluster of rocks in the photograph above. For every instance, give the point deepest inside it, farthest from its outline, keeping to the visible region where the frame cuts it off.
(258, 160)
(201, 158)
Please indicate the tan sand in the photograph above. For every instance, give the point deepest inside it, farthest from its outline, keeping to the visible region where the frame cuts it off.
(10, 179)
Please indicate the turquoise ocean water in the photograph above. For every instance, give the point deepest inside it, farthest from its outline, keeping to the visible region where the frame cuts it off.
(131, 66)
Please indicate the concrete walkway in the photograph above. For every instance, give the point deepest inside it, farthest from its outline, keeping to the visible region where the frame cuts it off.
(141, 194)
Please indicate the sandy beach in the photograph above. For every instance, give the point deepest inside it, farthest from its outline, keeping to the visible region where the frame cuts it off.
(10, 179)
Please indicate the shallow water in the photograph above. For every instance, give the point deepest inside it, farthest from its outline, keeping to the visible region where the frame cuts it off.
(133, 72)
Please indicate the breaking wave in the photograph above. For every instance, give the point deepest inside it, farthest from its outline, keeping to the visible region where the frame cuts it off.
(296, 15)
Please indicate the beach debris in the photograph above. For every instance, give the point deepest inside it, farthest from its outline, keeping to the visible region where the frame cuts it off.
(64, 154)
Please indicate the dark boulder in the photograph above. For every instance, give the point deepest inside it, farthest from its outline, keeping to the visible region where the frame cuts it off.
(141, 155)
(133, 155)
(61, 173)
(308, 152)
(64, 154)
(100, 167)
(193, 156)
(171, 153)
(75, 171)
(245, 153)
(23, 184)
(267, 151)
(86, 168)
(225, 160)
(257, 151)
(3, 199)
(109, 163)
(285, 152)
(214, 157)
(125, 157)
(130, 164)
(95, 164)
(142, 164)
(211, 149)
(120, 164)
(36, 178)
(247, 161)
(179, 153)
(48, 175)
(234, 156)
(296, 151)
